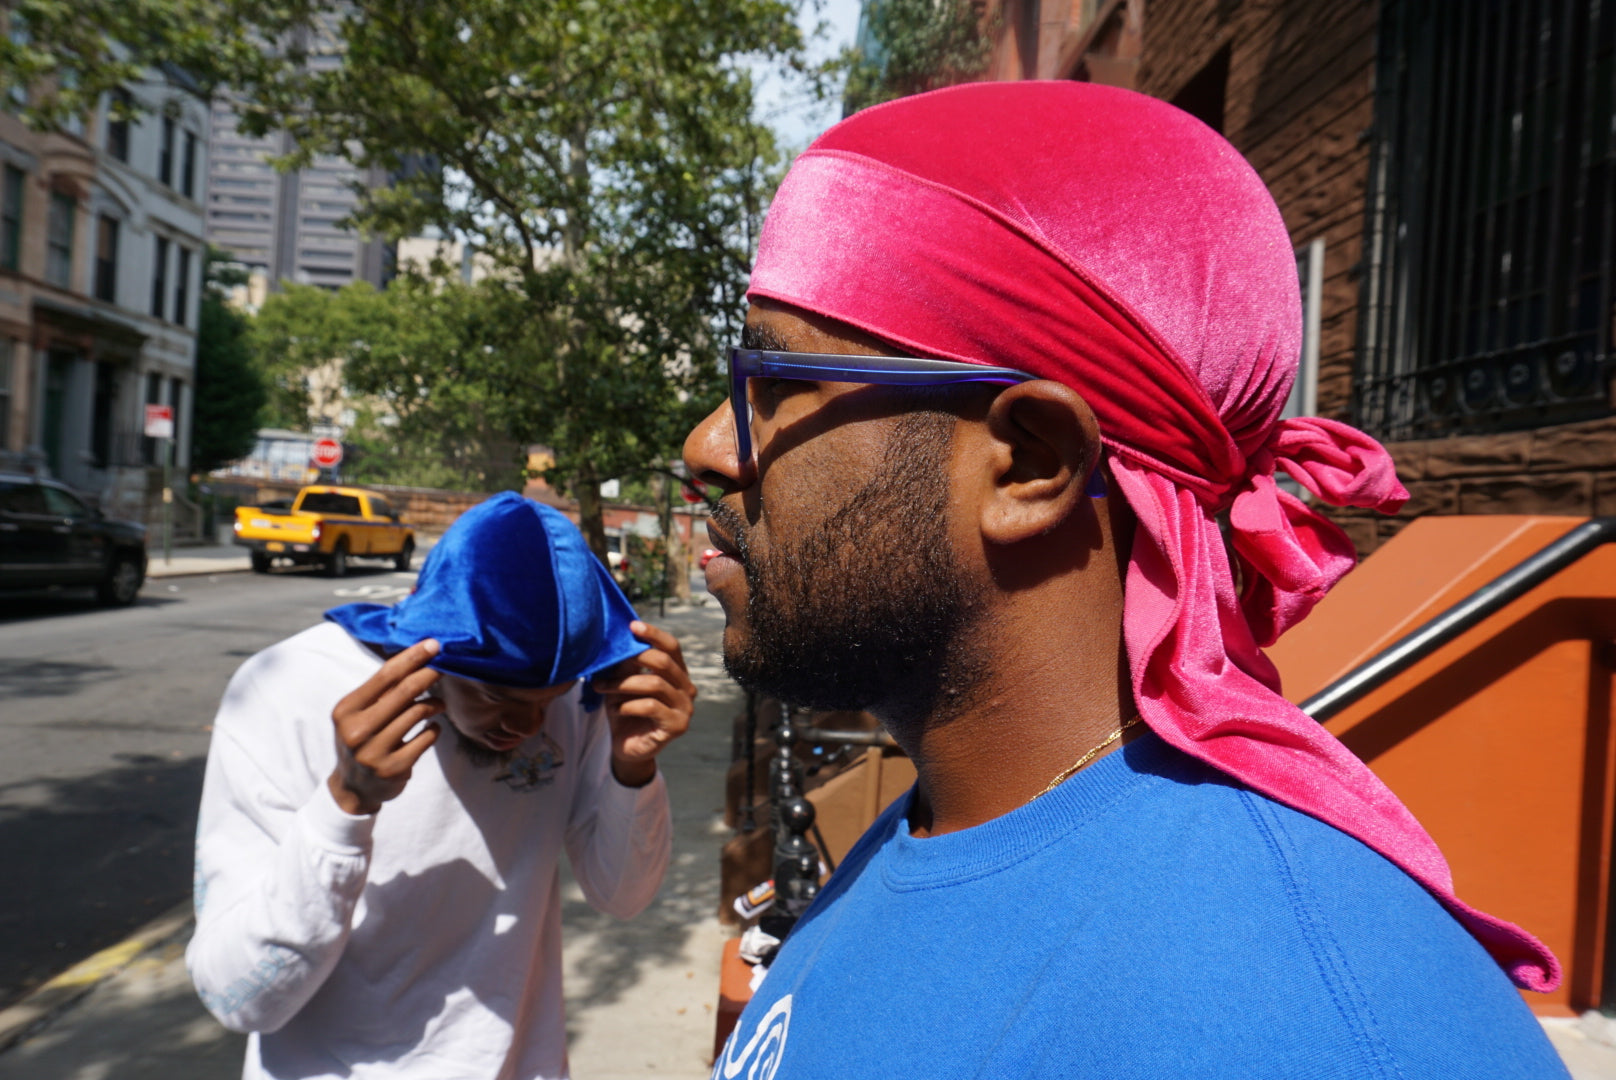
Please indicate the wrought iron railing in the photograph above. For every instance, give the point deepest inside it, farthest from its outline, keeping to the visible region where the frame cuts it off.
(1486, 295)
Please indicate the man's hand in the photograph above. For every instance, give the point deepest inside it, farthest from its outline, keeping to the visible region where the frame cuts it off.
(648, 704)
(373, 759)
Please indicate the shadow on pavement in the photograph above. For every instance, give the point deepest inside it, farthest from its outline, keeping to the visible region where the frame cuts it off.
(143, 1024)
(88, 860)
(49, 603)
(49, 678)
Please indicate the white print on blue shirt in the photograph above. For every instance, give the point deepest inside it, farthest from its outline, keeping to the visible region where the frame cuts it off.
(764, 1049)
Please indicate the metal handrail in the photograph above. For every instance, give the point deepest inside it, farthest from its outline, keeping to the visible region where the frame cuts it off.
(1466, 614)
(878, 737)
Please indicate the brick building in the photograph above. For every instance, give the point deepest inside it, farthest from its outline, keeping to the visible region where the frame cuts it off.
(1446, 174)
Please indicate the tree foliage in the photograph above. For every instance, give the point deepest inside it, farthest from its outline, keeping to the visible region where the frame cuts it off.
(602, 155)
(230, 392)
(917, 45)
(60, 56)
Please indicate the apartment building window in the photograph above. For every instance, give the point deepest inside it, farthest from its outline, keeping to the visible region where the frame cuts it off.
(182, 285)
(165, 153)
(59, 240)
(11, 195)
(106, 259)
(188, 168)
(1487, 292)
(159, 278)
(118, 124)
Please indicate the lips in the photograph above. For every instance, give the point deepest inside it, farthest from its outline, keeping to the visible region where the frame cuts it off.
(724, 544)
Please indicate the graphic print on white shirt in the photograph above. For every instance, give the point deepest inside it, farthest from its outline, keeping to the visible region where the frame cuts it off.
(535, 766)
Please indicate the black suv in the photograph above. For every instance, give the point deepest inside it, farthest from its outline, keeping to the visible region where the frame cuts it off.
(50, 536)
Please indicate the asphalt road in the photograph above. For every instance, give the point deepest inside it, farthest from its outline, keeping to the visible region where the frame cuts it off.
(104, 721)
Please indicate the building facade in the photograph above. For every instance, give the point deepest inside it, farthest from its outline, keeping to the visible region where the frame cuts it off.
(1448, 176)
(101, 262)
(286, 226)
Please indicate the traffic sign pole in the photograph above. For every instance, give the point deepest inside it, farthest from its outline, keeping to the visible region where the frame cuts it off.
(168, 502)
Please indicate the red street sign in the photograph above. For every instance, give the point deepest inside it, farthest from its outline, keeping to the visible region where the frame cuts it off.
(691, 494)
(159, 422)
(327, 453)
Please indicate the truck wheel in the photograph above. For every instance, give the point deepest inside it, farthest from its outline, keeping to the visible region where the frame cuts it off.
(260, 562)
(122, 583)
(402, 562)
(336, 564)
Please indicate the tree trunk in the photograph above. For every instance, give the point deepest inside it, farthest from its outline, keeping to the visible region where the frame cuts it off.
(591, 512)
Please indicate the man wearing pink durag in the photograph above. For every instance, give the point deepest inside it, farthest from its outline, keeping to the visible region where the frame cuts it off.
(1014, 350)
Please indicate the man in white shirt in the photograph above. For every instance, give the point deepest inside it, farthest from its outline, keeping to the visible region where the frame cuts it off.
(422, 938)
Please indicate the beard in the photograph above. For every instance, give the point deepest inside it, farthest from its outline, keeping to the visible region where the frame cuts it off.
(869, 609)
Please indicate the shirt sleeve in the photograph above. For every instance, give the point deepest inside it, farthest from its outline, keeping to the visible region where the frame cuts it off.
(277, 876)
(619, 839)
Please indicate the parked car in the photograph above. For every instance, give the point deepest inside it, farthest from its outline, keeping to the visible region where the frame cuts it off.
(325, 526)
(50, 536)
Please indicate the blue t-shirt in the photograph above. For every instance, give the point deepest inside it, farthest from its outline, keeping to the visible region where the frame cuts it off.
(1149, 918)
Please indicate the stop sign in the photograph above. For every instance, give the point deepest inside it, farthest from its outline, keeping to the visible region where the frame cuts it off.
(327, 453)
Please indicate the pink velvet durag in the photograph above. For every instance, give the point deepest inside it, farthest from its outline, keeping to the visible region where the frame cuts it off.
(1109, 241)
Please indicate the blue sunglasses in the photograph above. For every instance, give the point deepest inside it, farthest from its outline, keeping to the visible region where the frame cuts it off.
(747, 364)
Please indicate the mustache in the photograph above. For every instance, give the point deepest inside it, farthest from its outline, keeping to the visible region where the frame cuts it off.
(732, 525)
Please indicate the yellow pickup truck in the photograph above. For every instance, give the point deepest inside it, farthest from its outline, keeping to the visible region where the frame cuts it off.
(325, 526)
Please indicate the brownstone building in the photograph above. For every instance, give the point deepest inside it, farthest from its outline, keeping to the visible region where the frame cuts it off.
(1446, 171)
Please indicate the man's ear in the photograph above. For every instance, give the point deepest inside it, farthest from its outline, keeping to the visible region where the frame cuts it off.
(1043, 441)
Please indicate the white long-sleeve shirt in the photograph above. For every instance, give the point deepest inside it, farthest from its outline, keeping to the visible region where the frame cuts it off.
(421, 941)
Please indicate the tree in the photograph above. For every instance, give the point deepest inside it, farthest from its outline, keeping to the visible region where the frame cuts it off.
(602, 154)
(230, 393)
(917, 45)
(421, 367)
(61, 56)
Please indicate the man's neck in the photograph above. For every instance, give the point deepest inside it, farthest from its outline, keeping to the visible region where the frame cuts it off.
(1041, 701)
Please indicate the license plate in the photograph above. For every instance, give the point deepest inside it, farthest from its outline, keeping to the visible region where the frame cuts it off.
(275, 545)
(260, 523)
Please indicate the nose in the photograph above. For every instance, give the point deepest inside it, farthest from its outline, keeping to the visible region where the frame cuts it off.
(710, 455)
(525, 725)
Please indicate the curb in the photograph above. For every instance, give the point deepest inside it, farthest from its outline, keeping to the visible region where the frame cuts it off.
(161, 574)
(49, 1001)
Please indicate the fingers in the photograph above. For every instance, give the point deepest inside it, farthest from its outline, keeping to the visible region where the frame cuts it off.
(669, 667)
(672, 719)
(646, 685)
(391, 695)
(392, 736)
(396, 667)
(658, 638)
(382, 751)
(402, 760)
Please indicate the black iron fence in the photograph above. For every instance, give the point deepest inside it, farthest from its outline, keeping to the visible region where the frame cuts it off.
(1487, 285)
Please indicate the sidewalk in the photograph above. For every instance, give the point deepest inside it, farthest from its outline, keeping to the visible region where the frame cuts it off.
(215, 559)
(640, 995)
(229, 559)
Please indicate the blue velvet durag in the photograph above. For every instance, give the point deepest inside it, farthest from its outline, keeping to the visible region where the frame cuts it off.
(515, 597)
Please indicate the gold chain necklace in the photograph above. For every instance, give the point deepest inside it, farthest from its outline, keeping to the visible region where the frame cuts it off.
(1065, 773)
